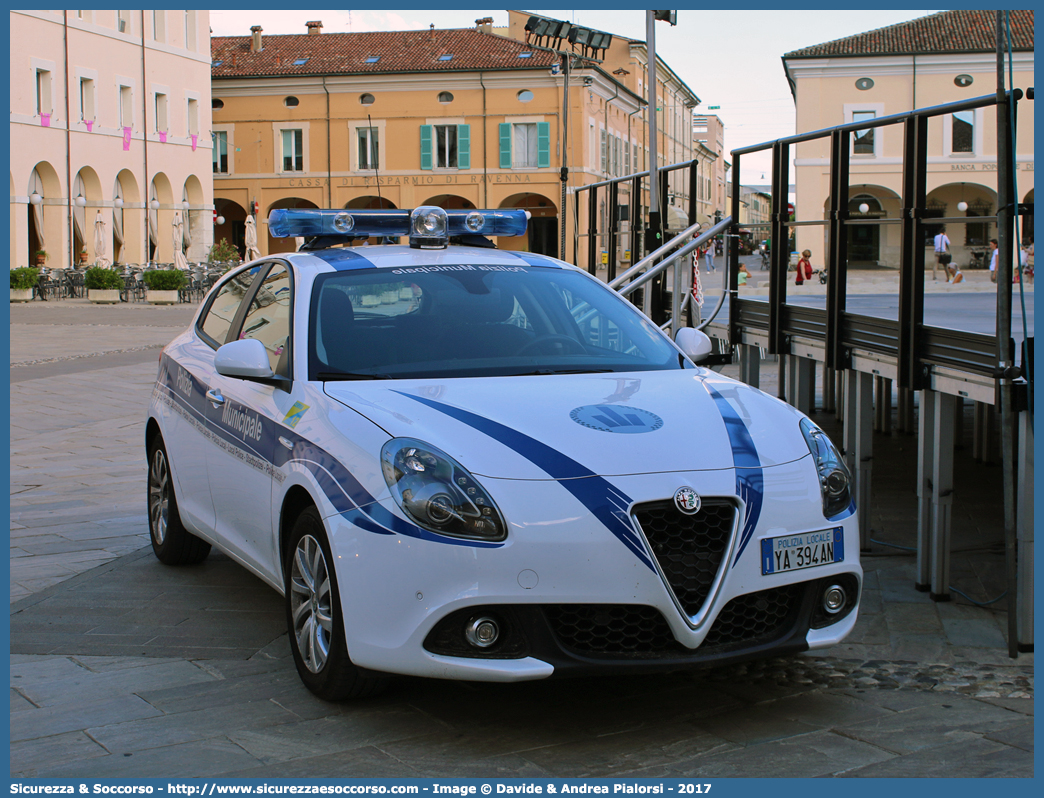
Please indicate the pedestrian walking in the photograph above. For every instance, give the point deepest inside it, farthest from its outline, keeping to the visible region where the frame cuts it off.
(804, 267)
(709, 255)
(942, 251)
(993, 260)
(1023, 263)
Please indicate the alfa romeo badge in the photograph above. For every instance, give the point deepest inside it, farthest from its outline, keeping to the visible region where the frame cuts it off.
(687, 500)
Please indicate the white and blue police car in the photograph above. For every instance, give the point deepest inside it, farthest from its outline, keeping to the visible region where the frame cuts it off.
(460, 462)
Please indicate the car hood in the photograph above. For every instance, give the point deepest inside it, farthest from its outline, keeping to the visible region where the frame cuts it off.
(567, 426)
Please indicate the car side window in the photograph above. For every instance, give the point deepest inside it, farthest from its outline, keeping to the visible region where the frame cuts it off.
(268, 319)
(218, 318)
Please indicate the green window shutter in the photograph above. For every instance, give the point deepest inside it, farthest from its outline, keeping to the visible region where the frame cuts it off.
(463, 146)
(505, 145)
(543, 143)
(425, 146)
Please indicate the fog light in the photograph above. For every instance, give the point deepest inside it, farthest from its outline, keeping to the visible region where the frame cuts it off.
(482, 632)
(834, 599)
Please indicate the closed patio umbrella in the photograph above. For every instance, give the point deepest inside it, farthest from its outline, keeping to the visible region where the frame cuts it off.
(252, 252)
(99, 242)
(177, 236)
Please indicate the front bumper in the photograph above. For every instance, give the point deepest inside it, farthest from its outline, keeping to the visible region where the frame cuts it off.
(573, 599)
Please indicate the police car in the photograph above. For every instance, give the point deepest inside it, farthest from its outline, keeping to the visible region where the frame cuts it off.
(460, 462)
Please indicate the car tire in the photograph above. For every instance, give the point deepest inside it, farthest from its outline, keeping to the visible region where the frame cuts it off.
(313, 617)
(171, 542)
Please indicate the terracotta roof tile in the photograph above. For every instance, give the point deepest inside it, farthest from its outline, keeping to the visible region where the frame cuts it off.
(346, 53)
(962, 31)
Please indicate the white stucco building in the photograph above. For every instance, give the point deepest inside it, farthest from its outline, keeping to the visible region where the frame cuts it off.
(942, 58)
(110, 112)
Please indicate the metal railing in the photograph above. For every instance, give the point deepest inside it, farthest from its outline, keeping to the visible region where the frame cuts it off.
(670, 256)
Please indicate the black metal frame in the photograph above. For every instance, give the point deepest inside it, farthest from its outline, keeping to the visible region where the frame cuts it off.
(915, 346)
(638, 188)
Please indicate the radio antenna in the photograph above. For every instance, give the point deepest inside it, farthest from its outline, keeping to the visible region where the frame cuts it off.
(369, 139)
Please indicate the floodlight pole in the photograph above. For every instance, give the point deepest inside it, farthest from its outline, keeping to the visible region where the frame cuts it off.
(652, 235)
(565, 159)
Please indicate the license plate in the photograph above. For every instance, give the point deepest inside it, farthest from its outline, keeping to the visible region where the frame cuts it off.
(807, 550)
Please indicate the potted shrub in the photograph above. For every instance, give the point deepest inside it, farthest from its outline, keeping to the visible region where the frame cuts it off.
(41, 257)
(223, 252)
(22, 281)
(163, 285)
(83, 255)
(103, 285)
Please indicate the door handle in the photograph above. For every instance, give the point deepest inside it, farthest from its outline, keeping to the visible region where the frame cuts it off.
(215, 398)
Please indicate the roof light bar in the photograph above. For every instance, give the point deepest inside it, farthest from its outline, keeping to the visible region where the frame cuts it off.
(421, 223)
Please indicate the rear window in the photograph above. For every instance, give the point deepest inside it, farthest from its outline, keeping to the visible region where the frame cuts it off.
(475, 321)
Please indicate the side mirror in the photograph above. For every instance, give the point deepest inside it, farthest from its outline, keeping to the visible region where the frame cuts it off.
(696, 344)
(246, 359)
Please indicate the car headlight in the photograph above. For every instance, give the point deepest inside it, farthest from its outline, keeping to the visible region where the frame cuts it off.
(835, 482)
(438, 493)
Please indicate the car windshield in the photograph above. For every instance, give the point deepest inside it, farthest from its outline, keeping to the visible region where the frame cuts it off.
(476, 321)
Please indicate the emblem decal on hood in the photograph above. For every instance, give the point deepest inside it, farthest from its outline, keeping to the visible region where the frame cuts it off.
(616, 418)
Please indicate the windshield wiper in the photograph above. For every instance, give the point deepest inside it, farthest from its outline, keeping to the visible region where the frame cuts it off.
(338, 376)
(540, 372)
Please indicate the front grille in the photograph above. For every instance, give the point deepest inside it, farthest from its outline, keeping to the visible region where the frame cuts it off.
(688, 548)
(756, 617)
(620, 631)
(635, 631)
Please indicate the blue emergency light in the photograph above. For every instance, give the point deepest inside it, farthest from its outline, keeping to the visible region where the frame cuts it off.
(427, 226)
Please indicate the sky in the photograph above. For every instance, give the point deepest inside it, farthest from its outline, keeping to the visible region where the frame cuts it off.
(731, 59)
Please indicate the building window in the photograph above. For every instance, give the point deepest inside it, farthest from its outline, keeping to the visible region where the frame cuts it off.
(220, 140)
(369, 149)
(123, 21)
(86, 99)
(445, 97)
(603, 152)
(217, 104)
(525, 96)
(193, 117)
(863, 140)
(372, 59)
(293, 150)
(43, 91)
(161, 113)
(126, 106)
(190, 30)
(962, 138)
(159, 26)
(366, 99)
(445, 146)
(525, 145)
(291, 102)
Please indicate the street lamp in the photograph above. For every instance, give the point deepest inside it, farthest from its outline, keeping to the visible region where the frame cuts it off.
(220, 220)
(154, 204)
(35, 199)
(118, 202)
(80, 201)
(186, 205)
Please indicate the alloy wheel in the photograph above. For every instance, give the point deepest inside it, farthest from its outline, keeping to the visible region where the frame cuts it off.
(311, 603)
(159, 496)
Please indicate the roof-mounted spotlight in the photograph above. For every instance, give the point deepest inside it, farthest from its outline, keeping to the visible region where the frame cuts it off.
(580, 35)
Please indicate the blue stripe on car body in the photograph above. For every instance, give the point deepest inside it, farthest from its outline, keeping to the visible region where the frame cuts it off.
(750, 476)
(603, 499)
(344, 492)
(343, 259)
